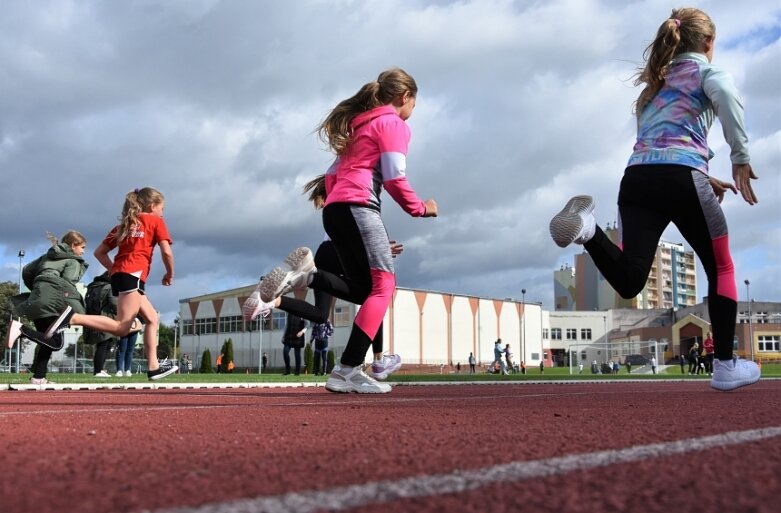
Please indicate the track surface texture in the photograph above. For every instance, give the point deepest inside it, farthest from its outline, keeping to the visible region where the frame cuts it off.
(648, 447)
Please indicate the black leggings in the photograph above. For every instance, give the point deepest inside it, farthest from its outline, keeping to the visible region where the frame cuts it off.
(650, 197)
(101, 352)
(326, 259)
(43, 353)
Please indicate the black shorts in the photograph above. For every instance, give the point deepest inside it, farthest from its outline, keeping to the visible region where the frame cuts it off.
(123, 282)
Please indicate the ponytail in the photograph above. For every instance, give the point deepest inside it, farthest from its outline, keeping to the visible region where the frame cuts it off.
(336, 131)
(686, 30)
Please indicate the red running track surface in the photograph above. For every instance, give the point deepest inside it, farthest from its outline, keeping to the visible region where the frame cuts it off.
(474, 448)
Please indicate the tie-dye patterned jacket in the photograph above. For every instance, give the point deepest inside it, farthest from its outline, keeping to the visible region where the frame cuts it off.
(376, 158)
(673, 127)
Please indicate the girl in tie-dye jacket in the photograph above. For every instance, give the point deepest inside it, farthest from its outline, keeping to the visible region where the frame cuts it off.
(666, 180)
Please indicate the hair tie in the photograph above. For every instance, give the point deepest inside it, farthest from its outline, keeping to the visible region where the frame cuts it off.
(136, 190)
(677, 22)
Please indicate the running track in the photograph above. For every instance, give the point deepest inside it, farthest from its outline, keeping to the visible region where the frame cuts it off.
(645, 446)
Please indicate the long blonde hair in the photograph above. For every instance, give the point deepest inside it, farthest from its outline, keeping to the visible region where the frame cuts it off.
(686, 30)
(71, 238)
(391, 84)
(136, 202)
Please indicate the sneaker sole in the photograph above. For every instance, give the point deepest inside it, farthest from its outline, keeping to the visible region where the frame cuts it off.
(164, 374)
(345, 388)
(57, 324)
(278, 281)
(566, 225)
(14, 332)
(732, 385)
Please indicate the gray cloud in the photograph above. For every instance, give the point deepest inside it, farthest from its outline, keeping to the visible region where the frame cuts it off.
(215, 102)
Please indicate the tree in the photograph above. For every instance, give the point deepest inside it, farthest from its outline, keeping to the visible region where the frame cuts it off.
(227, 354)
(308, 358)
(206, 363)
(165, 336)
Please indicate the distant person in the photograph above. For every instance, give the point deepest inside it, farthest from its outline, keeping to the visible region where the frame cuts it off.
(321, 334)
(293, 338)
(218, 363)
(628, 364)
(508, 356)
(580, 367)
(523, 367)
(472, 363)
(682, 363)
(707, 346)
(694, 358)
(264, 361)
(499, 356)
(542, 366)
(653, 364)
(100, 301)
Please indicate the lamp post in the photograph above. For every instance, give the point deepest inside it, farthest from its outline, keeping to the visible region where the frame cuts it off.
(176, 331)
(750, 326)
(19, 345)
(523, 323)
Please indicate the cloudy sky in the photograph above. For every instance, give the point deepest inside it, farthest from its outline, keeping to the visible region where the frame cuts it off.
(521, 105)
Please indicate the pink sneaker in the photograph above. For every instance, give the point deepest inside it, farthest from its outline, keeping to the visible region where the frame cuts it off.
(14, 332)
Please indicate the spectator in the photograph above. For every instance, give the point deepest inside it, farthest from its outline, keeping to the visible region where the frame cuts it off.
(653, 364)
(542, 366)
(707, 345)
(498, 355)
(458, 368)
(508, 356)
(264, 361)
(580, 367)
(295, 329)
(219, 363)
(628, 364)
(321, 333)
(472, 363)
(682, 360)
(694, 358)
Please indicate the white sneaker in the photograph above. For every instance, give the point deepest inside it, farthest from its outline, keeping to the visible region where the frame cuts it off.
(574, 223)
(735, 373)
(387, 365)
(103, 374)
(354, 380)
(294, 274)
(14, 332)
(41, 381)
(119, 374)
(128, 374)
(253, 306)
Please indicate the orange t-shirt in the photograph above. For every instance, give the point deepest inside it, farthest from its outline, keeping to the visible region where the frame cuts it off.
(134, 255)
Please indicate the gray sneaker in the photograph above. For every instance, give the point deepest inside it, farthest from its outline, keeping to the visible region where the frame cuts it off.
(354, 380)
(574, 223)
(735, 373)
(293, 274)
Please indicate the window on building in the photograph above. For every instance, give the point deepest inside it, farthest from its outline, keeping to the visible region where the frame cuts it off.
(769, 343)
(555, 333)
(255, 325)
(572, 333)
(206, 325)
(278, 320)
(585, 334)
(545, 334)
(342, 316)
(231, 324)
(187, 327)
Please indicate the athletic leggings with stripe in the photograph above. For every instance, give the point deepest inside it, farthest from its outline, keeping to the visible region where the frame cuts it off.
(650, 197)
(326, 259)
(362, 245)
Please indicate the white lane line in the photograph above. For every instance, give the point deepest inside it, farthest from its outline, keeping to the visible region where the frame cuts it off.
(354, 496)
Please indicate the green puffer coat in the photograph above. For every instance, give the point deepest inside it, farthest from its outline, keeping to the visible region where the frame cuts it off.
(54, 286)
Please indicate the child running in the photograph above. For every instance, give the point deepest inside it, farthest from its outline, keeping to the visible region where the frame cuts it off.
(667, 180)
(52, 280)
(369, 136)
(141, 228)
(325, 259)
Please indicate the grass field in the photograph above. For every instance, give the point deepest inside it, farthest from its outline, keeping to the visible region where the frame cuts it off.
(550, 374)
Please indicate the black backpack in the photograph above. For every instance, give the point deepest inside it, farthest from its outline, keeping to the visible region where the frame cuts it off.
(98, 302)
